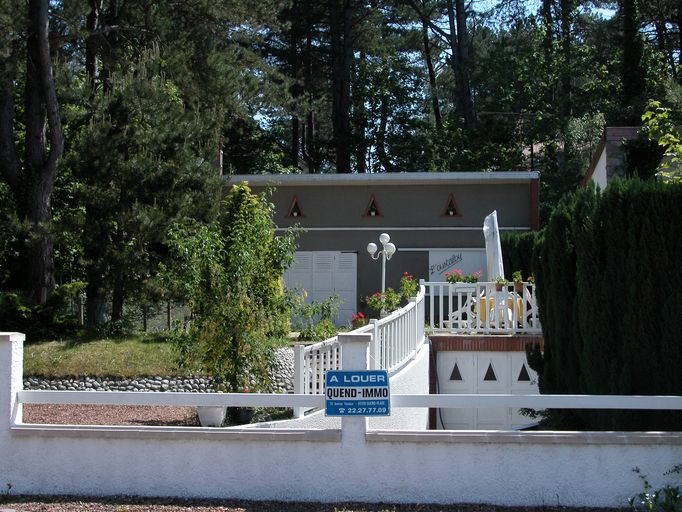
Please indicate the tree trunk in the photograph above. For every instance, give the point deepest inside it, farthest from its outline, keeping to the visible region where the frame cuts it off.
(633, 75)
(95, 310)
(44, 148)
(459, 46)
(91, 43)
(567, 55)
(465, 57)
(360, 116)
(340, 21)
(432, 75)
(385, 162)
(9, 160)
(117, 296)
(295, 141)
(308, 137)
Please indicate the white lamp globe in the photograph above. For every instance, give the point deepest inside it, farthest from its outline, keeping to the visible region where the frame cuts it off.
(384, 238)
(390, 250)
(371, 248)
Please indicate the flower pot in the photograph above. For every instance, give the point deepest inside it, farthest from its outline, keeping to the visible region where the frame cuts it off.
(211, 416)
(498, 287)
(241, 415)
(518, 287)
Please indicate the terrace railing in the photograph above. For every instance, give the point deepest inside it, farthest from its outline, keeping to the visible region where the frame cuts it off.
(395, 341)
(479, 308)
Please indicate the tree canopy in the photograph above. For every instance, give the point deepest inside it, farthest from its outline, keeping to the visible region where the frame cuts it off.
(117, 117)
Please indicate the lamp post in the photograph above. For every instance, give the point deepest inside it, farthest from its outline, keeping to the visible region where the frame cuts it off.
(388, 250)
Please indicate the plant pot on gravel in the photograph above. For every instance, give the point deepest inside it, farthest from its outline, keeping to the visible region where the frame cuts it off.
(211, 415)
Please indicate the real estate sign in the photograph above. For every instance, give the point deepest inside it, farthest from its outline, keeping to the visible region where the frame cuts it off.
(357, 393)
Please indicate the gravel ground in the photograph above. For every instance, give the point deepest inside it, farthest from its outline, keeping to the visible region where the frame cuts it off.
(126, 504)
(110, 415)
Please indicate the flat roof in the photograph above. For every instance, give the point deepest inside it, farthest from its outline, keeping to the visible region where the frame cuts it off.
(402, 178)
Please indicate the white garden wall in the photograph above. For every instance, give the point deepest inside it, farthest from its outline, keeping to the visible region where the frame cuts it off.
(512, 468)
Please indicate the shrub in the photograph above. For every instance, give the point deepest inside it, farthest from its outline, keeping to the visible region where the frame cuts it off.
(609, 297)
(230, 272)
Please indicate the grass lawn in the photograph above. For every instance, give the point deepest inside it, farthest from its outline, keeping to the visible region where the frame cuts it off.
(131, 356)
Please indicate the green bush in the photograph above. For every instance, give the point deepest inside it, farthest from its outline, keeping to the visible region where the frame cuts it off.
(53, 319)
(608, 272)
(517, 252)
(314, 320)
(230, 273)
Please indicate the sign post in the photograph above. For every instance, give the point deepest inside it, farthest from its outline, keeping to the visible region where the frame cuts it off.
(357, 393)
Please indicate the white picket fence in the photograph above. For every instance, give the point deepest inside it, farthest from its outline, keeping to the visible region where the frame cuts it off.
(479, 308)
(396, 339)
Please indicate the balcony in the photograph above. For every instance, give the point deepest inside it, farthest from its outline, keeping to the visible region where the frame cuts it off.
(482, 308)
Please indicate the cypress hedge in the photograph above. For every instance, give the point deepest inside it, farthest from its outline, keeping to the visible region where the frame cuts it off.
(609, 271)
(517, 252)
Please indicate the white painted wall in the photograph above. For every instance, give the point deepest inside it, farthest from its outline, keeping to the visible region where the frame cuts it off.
(570, 469)
(599, 176)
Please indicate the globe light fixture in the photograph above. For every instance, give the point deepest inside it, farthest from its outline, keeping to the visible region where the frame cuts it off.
(387, 251)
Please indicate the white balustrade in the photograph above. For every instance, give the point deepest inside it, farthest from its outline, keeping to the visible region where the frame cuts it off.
(479, 308)
(395, 341)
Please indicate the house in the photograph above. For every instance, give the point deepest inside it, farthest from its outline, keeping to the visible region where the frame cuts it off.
(434, 219)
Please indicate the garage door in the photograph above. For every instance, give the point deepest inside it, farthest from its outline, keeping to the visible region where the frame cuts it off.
(484, 372)
(326, 273)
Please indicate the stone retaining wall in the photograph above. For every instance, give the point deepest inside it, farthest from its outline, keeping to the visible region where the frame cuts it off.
(282, 379)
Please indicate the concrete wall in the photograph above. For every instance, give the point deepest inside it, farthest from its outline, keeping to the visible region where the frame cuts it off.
(351, 464)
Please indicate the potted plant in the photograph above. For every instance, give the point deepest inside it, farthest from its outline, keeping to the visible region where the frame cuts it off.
(518, 281)
(500, 282)
(211, 415)
(358, 320)
(408, 286)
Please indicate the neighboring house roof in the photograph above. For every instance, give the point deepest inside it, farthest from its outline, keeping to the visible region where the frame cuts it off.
(609, 158)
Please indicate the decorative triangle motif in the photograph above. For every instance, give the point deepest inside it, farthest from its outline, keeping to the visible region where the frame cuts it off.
(523, 374)
(450, 208)
(295, 209)
(490, 373)
(372, 209)
(456, 374)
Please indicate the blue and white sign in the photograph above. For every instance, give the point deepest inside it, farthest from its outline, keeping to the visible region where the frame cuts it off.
(357, 393)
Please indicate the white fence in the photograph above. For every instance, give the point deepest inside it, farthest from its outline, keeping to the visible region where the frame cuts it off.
(479, 308)
(395, 340)
(354, 463)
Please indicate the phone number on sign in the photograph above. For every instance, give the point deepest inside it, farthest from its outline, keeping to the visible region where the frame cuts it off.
(363, 410)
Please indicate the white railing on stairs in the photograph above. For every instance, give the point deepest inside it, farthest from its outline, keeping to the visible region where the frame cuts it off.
(396, 339)
(479, 308)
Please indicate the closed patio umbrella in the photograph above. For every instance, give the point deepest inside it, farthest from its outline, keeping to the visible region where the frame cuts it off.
(493, 249)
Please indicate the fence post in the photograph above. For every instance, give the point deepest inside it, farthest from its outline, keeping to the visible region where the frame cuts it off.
(299, 377)
(375, 346)
(169, 320)
(354, 356)
(11, 377)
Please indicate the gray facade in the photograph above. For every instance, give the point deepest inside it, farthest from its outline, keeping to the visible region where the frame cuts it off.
(422, 212)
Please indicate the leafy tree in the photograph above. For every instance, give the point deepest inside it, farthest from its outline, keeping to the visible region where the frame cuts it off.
(231, 274)
(662, 125)
(144, 163)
